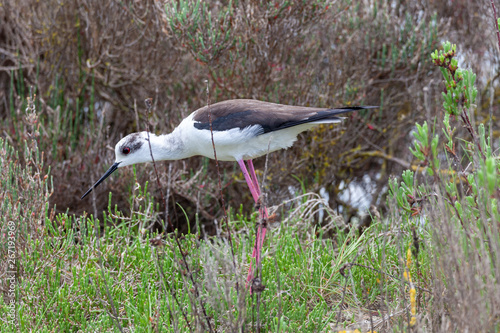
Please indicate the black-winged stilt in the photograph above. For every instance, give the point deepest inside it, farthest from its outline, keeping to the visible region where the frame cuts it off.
(242, 129)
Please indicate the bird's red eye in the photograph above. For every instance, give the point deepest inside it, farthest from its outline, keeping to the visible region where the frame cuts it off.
(126, 150)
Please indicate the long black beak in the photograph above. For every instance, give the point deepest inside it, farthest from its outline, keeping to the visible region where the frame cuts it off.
(106, 175)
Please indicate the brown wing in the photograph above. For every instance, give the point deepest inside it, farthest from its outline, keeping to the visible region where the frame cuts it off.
(241, 113)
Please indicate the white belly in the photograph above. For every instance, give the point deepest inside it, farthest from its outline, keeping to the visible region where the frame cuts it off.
(237, 144)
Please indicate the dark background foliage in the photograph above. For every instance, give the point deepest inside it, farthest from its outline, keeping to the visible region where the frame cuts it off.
(97, 61)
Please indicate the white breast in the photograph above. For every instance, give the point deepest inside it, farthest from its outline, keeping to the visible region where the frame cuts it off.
(236, 144)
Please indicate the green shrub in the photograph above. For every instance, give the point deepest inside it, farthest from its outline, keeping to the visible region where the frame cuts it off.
(454, 196)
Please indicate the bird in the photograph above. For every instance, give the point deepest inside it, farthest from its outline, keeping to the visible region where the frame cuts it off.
(233, 130)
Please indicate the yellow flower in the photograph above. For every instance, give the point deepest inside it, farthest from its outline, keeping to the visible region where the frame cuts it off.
(408, 257)
(413, 305)
(413, 301)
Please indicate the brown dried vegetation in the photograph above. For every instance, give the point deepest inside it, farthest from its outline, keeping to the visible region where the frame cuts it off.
(94, 62)
(102, 59)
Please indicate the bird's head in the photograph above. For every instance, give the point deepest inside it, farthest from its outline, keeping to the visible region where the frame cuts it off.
(132, 149)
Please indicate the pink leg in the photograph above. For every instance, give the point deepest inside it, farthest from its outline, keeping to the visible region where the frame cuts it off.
(251, 170)
(262, 209)
(262, 229)
(253, 190)
(253, 184)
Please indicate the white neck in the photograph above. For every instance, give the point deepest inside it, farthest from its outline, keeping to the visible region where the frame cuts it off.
(168, 147)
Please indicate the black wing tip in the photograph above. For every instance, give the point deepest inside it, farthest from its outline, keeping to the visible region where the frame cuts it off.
(351, 109)
(361, 107)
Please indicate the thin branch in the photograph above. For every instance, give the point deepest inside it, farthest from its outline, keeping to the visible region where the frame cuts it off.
(149, 104)
(114, 314)
(472, 132)
(344, 291)
(257, 286)
(230, 238)
(278, 282)
(495, 26)
(172, 292)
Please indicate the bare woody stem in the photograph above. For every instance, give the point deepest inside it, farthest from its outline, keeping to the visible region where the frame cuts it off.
(495, 21)
(149, 104)
(230, 238)
(472, 132)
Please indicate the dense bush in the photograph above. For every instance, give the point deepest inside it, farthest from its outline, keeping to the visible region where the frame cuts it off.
(453, 198)
(73, 78)
(93, 63)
